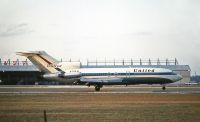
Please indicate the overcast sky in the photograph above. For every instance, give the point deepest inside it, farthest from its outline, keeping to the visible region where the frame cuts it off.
(90, 29)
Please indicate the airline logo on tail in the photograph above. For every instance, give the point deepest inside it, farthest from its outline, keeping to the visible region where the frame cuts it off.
(41, 60)
(54, 65)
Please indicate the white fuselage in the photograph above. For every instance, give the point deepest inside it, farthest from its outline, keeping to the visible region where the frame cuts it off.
(129, 75)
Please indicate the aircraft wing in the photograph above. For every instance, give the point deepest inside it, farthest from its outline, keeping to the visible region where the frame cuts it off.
(101, 80)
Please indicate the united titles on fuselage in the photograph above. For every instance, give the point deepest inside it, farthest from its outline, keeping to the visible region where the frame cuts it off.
(143, 70)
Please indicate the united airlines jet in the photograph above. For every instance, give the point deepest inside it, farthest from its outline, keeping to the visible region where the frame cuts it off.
(74, 73)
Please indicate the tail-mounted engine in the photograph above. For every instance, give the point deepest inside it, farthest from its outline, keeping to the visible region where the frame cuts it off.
(69, 75)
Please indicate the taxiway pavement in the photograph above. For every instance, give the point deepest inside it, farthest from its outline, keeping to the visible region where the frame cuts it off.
(45, 89)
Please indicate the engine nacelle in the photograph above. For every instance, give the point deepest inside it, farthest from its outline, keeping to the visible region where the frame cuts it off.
(51, 76)
(72, 75)
(69, 75)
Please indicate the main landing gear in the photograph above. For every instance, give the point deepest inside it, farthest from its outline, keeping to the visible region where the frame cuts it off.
(163, 87)
(98, 87)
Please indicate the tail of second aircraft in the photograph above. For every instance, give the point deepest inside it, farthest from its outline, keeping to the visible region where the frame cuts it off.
(41, 60)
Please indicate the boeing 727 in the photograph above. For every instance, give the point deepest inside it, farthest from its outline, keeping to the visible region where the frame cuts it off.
(74, 73)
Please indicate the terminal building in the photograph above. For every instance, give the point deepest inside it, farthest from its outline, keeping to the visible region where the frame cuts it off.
(24, 72)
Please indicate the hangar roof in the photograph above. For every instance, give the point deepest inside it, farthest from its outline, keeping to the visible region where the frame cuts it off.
(33, 68)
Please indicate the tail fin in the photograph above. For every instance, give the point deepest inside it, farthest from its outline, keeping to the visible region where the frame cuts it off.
(41, 60)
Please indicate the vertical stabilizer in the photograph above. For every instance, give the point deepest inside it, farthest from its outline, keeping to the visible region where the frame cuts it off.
(41, 60)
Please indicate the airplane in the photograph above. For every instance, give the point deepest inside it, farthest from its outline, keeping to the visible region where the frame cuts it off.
(75, 73)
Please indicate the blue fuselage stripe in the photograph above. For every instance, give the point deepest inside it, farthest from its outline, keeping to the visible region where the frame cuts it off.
(119, 74)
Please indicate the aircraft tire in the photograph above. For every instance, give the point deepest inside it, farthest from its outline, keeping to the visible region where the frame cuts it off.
(97, 88)
(163, 87)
